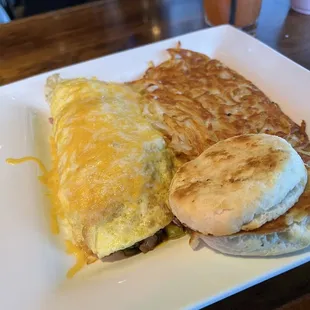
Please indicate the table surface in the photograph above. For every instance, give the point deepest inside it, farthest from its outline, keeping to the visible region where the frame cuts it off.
(44, 42)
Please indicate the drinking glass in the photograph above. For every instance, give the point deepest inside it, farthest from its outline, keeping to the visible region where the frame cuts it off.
(240, 13)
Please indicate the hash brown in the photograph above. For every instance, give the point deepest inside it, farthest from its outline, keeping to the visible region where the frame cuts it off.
(197, 101)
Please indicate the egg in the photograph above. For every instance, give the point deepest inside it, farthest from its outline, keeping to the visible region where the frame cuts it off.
(111, 169)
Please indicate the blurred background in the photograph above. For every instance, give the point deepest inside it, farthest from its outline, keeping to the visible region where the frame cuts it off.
(13, 9)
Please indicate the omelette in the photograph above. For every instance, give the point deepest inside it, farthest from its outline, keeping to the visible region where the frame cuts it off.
(111, 169)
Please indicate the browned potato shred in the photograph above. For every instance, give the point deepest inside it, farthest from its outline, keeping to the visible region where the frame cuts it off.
(197, 101)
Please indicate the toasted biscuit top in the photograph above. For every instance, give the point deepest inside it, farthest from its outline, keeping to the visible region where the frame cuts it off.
(297, 214)
(239, 183)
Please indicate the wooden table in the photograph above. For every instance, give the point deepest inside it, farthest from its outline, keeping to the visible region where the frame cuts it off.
(41, 43)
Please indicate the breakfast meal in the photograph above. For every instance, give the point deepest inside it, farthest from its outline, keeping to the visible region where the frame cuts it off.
(234, 194)
(190, 146)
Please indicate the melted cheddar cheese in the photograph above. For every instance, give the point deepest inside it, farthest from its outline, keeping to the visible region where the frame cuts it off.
(80, 255)
(91, 147)
(47, 179)
(14, 161)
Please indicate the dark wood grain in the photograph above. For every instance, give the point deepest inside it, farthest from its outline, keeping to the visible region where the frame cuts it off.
(33, 45)
(41, 43)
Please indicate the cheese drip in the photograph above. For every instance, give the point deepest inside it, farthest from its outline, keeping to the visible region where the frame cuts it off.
(48, 179)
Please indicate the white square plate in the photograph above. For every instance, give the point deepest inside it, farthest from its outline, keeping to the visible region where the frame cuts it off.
(32, 261)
